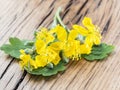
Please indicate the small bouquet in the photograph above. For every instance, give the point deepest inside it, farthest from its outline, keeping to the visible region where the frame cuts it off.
(53, 48)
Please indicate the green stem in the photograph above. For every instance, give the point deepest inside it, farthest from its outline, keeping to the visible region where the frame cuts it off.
(57, 16)
(58, 20)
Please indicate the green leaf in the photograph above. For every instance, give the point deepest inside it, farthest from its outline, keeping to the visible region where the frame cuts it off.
(99, 52)
(13, 48)
(45, 71)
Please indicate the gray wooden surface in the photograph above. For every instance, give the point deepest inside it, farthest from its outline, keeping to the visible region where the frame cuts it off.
(20, 18)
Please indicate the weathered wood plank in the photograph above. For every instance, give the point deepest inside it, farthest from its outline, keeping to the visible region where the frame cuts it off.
(21, 17)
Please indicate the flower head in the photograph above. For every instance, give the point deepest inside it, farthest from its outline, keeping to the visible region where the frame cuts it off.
(44, 40)
(49, 44)
(68, 42)
(90, 31)
(26, 59)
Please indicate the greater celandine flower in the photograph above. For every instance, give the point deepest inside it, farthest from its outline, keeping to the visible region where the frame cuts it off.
(90, 31)
(53, 48)
(49, 44)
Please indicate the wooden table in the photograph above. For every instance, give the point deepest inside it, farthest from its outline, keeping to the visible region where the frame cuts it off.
(20, 18)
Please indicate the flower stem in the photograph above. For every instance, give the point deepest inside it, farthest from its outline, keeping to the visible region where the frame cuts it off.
(58, 20)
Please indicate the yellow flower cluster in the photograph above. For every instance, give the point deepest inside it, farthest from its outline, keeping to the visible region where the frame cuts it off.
(49, 44)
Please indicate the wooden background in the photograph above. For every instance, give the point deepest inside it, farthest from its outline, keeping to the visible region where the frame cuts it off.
(21, 18)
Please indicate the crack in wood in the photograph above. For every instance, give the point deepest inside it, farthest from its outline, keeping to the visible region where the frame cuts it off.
(80, 9)
(99, 3)
(116, 38)
(44, 18)
(26, 5)
(92, 76)
(20, 80)
(52, 3)
(60, 75)
(9, 80)
(79, 19)
(67, 8)
(25, 84)
(74, 76)
(101, 19)
(82, 16)
(88, 81)
(14, 18)
(105, 29)
(86, 12)
(6, 68)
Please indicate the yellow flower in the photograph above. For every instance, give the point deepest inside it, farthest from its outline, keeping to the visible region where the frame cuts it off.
(26, 59)
(49, 43)
(67, 42)
(49, 56)
(43, 38)
(45, 35)
(56, 46)
(72, 49)
(85, 49)
(33, 63)
(61, 33)
(91, 32)
(40, 61)
(40, 46)
(45, 48)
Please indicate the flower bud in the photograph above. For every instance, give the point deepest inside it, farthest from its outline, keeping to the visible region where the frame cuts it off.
(50, 65)
(28, 51)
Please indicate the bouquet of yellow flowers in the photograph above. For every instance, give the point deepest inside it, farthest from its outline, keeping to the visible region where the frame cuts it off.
(52, 48)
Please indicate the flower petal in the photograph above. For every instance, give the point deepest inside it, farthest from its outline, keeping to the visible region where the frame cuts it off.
(80, 30)
(87, 22)
(61, 33)
(72, 35)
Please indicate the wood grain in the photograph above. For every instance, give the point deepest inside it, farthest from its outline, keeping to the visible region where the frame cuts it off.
(20, 18)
